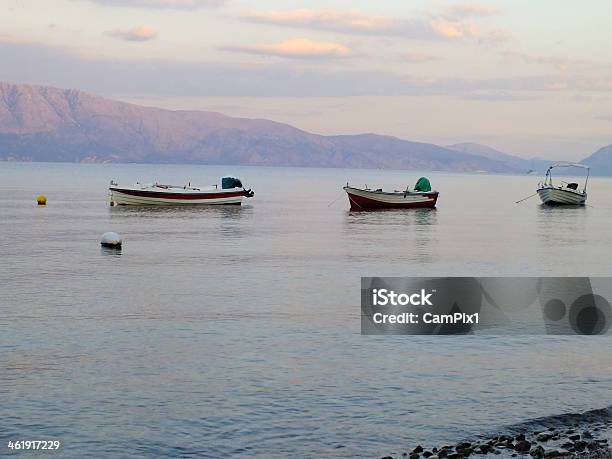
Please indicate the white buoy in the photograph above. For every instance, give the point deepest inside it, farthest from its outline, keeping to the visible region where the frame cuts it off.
(111, 239)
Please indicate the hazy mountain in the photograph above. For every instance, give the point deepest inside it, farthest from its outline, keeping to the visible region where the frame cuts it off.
(523, 164)
(600, 161)
(372, 151)
(39, 123)
(484, 150)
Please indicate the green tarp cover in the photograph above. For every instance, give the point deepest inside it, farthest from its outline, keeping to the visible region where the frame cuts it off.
(230, 182)
(422, 185)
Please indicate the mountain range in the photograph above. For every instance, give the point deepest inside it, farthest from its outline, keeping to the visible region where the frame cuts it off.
(40, 123)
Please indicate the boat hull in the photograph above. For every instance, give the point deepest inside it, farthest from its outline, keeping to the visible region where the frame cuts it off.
(374, 200)
(134, 197)
(557, 196)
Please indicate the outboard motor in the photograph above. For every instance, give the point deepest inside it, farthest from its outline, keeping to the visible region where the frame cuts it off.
(233, 182)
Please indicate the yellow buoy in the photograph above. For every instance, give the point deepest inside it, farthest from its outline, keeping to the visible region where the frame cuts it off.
(41, 200)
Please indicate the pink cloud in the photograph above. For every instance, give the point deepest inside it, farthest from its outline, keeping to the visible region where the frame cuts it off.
(454, 29)
(349, 21)
(303, 48)
(446, 26)
(460, 30)
(140, 33)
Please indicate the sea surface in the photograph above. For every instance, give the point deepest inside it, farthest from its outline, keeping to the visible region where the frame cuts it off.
(235, 332)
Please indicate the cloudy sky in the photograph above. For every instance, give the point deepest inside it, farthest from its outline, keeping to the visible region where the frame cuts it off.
(532, 77)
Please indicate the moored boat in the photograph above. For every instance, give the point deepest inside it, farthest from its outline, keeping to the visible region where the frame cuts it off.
(567, 193)
(230, 192)
(367, 199)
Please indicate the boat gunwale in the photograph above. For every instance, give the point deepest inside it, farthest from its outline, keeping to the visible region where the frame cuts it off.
(390, 193)
(166, 191)
(567, 190)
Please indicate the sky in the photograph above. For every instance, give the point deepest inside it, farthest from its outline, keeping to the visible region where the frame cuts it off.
(529, 77)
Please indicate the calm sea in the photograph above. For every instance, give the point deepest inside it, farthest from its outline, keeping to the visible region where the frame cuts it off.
(229, 332)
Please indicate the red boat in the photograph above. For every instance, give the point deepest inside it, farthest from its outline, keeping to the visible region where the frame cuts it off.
(368, 199)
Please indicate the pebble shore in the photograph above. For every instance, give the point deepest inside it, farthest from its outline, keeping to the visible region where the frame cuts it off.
(586, 435)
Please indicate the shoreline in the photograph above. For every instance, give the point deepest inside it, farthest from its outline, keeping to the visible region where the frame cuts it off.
(536, 176)
(571, 435)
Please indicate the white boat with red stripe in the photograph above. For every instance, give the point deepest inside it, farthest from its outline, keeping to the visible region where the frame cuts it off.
(231, 192)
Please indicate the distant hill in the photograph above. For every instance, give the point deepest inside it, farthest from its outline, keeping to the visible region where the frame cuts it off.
(373, 151)
(600, 161)
(39, 123)
(539, 166)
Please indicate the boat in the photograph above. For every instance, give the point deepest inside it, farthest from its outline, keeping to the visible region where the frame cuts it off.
(367, 199)
(156, 194)
(566, 193)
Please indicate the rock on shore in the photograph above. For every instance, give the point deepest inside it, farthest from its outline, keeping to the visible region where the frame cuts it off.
(585, 435)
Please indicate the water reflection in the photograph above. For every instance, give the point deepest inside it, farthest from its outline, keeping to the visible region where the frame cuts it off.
(405, 234)
(392, 217)
(224, 211)
(110, 251)
(232, 220)
(561, 226)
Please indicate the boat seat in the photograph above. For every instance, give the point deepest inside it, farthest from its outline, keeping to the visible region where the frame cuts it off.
(572, 186)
